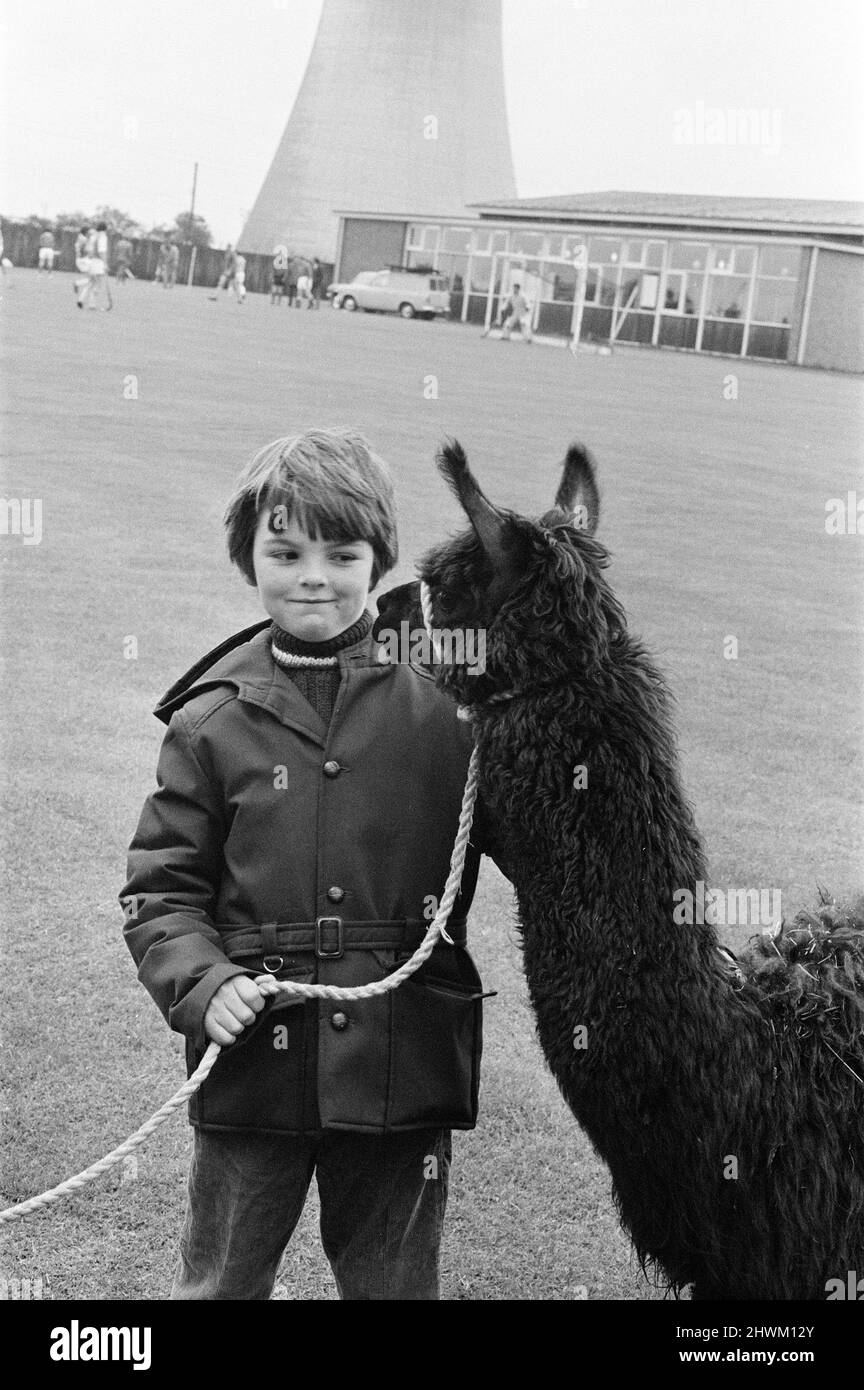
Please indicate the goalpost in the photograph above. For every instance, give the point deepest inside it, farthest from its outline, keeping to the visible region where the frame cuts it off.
(532, 283)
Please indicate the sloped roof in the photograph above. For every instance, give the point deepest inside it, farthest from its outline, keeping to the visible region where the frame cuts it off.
(796, 213)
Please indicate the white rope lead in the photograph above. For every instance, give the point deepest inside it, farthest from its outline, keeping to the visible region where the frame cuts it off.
(268, 985)
(123, 1150)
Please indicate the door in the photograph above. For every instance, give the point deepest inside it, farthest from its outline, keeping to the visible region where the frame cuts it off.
(376, 294)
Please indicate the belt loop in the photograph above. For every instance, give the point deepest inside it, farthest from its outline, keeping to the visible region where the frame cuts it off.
(269, 939)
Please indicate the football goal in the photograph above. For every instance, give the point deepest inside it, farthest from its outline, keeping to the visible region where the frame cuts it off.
(554, 287)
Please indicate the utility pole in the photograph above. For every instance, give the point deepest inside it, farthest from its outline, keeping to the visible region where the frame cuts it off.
(192, 224)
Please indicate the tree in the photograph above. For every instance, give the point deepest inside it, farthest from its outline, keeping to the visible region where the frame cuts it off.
(117, 220)
(72, 221)
(182, 229)
(193, 229)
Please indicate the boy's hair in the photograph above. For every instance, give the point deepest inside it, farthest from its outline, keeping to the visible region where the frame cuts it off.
(329, 482)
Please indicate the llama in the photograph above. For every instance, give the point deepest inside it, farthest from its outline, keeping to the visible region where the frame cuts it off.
(727, 1099)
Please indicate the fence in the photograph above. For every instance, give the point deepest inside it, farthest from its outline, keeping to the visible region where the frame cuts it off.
(21, 245)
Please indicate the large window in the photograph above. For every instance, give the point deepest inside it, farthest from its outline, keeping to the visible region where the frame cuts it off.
(775, 287)
(784, 261)
(732, 260)
(456, 239)
(526, 243)
(572, 245)
(727, 297)
(716, 295)
(773, 301)
(600, 285)
(689, 255)
(647, 253)
(422, 238)
(604, 250)
(683, 293)
(485, 243)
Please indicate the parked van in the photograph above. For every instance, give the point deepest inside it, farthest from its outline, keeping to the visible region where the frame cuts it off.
(411, 293)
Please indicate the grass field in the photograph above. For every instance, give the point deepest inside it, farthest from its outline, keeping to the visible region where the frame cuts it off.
(130, 427)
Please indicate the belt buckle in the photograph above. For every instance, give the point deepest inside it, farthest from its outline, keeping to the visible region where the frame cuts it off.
(319, 946)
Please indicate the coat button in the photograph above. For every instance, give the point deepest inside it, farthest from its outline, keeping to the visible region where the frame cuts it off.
(335, 894)
(332, 769)
(339, 1022)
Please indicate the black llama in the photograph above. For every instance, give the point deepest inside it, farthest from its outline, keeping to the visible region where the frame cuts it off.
(727, 1099)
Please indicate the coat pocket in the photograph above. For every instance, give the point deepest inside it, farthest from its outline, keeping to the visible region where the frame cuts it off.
(436, 1046)
(259, 1081)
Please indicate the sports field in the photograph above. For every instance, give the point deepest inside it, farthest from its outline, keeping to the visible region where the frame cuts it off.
(129, 427)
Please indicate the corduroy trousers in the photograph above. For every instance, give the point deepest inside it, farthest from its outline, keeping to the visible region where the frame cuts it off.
(382, 1212)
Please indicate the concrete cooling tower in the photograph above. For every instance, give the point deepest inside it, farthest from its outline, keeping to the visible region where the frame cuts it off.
(401, 110)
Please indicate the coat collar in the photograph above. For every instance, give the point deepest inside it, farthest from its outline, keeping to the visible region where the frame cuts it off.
(245, 664)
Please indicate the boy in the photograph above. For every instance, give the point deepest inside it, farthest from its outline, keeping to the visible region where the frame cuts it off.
(308, 798)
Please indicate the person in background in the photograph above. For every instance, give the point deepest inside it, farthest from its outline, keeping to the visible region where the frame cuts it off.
(122, 259)
(226, 279)
(240, 278)
(85, 245)
(516, 314)
(46, 251)
(294, 269)
(277, 275)
(304, 289)
(162, 264)
(172, 262)
(97, 283)
(317, 283)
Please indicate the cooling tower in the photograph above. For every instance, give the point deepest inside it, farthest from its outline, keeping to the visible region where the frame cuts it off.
(401, 110)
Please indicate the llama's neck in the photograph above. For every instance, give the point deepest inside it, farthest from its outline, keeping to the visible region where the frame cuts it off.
(593, 817)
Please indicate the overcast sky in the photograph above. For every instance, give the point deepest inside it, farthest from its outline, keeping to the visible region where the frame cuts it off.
(111, 101)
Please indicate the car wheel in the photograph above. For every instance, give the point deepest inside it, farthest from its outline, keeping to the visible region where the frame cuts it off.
(407, 310)
(349, 304)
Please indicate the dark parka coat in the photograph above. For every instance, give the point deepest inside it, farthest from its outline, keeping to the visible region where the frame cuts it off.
(275, 843)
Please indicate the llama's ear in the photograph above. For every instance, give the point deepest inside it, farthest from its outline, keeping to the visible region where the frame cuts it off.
(486, 520)
(577, 496)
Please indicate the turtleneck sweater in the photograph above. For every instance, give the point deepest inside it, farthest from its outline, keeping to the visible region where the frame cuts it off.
(314, 666)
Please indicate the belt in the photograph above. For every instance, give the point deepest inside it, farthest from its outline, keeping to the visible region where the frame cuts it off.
(331, 937)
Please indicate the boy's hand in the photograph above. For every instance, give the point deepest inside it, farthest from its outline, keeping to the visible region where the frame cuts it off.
(232, 1008)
